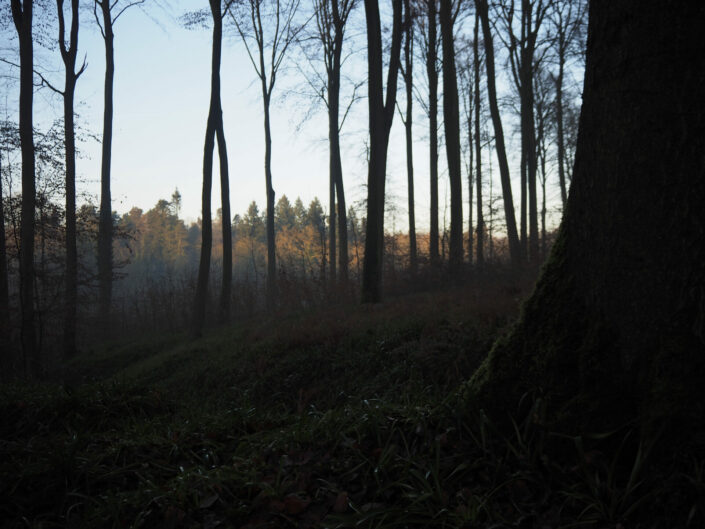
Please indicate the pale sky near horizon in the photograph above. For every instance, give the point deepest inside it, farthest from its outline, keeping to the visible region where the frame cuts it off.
(162, 88)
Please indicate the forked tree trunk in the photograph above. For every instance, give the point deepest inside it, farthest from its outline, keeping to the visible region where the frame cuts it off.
(68, 56)
(381, 113)
(212, 125)
(615, 328)
(22, 16)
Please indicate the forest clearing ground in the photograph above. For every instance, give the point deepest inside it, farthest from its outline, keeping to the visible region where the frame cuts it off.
(347, 417)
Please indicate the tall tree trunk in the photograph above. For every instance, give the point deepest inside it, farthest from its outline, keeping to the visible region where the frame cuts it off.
(470, 173)
(559, 125)
(336, 170)
(528, 127)
(68, 56)
(624, 287)
(432, 73)
(271, 287)
(408, 82)
(478, 145)
(381, 114)
(451, 120)
(22, 16)
(4, 283)
(512, 236)
(333, 46)
(105, 221)
(214, 117)
(332, 254)
(226, 285)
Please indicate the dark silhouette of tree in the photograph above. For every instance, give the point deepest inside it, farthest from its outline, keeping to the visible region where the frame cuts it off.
(4, 283)
(331, 18)
(522, 49)
(110, 11)
(381, 114)
(428, 31)
(22, 17)
(478, 143)
(512, 235)
(270, 28)
(407, 120)
(451, 121)
(214, 129)
(566, 23)
(615, 328)
(68, 55)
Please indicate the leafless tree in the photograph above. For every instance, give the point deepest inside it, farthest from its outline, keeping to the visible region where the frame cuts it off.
(267, 29)
(381, 114)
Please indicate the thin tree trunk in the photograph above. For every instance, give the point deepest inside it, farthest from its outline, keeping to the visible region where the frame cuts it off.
(4, 289)
(226, 286)
(432, 72)
(105, 222)
(408, 81)
(559, 125)
(22, 16)
(451, 119)
(271, 247)
(478, 146)
(381, 114)
(512, 236)
(332, 255)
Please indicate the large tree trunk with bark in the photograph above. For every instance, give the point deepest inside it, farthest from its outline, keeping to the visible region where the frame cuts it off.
(451, 120)
(615, 328)
(381, 113)
(22, 16)
(512, 235)
(105, 221)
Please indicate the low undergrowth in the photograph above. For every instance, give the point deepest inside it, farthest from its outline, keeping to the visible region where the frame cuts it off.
(334, 421)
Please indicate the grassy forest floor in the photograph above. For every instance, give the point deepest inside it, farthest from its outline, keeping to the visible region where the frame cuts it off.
(349, 417)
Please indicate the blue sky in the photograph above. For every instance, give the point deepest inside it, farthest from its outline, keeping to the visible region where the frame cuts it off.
(162, 86)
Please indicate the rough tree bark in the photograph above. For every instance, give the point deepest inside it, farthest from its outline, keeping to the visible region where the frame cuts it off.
(615, 328)
(512, 235)
(22, 17)
(381, 114)
(451, 121)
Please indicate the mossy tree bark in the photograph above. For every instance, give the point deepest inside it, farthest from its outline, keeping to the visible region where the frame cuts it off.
(616, 325)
